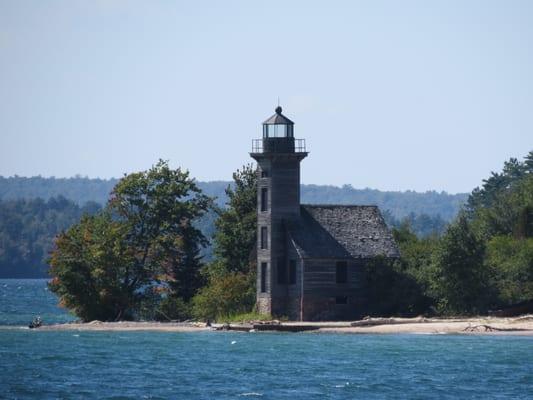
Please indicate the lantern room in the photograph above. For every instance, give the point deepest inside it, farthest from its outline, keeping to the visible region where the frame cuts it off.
(278, 137)
(278, 126)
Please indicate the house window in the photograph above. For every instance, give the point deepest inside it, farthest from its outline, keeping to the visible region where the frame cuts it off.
(341, 272)
(264, 173)
(263, 277)
(292, 272)
(264, 238)
(341, 300)
(282, 271)
(264, 199)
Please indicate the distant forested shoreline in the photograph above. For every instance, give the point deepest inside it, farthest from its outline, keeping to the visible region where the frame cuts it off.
(34, 210)
(400, 204)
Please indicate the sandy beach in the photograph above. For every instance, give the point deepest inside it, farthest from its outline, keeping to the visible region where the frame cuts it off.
(482, 325)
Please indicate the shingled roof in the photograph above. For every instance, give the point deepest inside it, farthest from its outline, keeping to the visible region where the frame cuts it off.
(338, 231)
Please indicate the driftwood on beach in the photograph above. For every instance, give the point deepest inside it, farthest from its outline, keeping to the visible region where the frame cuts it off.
(396, 321)
(488, 328)
(386, 321)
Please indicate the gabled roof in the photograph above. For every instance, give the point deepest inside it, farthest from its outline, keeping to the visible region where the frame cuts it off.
(338, 231)
(278, 118)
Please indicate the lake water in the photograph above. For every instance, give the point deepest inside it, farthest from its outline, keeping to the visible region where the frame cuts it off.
(214, 365)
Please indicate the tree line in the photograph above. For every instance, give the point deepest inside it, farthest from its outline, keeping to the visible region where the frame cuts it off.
(27, 231)
(482, 262)
(400, 204)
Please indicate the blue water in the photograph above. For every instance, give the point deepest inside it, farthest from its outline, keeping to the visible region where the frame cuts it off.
(23, 299)
(214, 365)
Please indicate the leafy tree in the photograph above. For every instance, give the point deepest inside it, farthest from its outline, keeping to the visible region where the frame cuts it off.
(460, 280)
(89, 267)
(141, 250)
(236, 227)
(510, 262)
(391, 291)
(508, 212)
(231, 276)
(227, 294)
(417, 263)
(159, 207)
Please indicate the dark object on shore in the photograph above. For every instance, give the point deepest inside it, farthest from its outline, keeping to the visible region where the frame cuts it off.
(285, 328)
(35, 323)
(268, 326)
(524, 307)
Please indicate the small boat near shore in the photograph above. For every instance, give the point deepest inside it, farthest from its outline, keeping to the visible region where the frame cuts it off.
(36, 323)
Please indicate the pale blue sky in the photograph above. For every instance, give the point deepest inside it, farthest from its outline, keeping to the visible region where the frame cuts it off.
(391, 95)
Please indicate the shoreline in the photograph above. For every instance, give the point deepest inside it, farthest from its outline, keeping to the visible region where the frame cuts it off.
(522, 326)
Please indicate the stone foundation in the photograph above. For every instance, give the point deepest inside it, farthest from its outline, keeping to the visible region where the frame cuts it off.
(264, 305)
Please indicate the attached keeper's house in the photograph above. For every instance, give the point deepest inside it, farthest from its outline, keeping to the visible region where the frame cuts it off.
(310, 258)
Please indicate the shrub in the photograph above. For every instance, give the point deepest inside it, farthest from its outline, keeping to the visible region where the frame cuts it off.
(231, 293)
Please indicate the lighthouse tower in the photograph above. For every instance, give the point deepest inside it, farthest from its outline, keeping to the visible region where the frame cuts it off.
(278, 155)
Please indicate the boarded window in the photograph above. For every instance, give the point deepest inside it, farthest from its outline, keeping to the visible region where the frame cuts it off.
(342, 272)
(341, 300)
(292, 272)
(263, 277)
(264, 237)
(282, 271)
(264, 199)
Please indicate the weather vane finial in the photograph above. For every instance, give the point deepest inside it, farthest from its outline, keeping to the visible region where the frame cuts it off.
(278, 108)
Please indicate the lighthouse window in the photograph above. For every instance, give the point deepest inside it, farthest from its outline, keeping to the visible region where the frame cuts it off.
(342, 272)
(263, 277)
(290, 131)
(277, 131)
(264, 238)
(264, 173)
(264, 199)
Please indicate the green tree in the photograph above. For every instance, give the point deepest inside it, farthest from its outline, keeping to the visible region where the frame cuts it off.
(89, 265)
(142, 249)
(231, 276)
(460, 280)
(227, 294)
(510, 262)
(416, 262)
(391, 291)
(236, 227)
(159, 207)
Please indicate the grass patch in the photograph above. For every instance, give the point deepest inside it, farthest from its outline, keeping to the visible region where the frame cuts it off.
(245, 317)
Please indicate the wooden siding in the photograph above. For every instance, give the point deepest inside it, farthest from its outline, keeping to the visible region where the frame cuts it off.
(282, 182)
